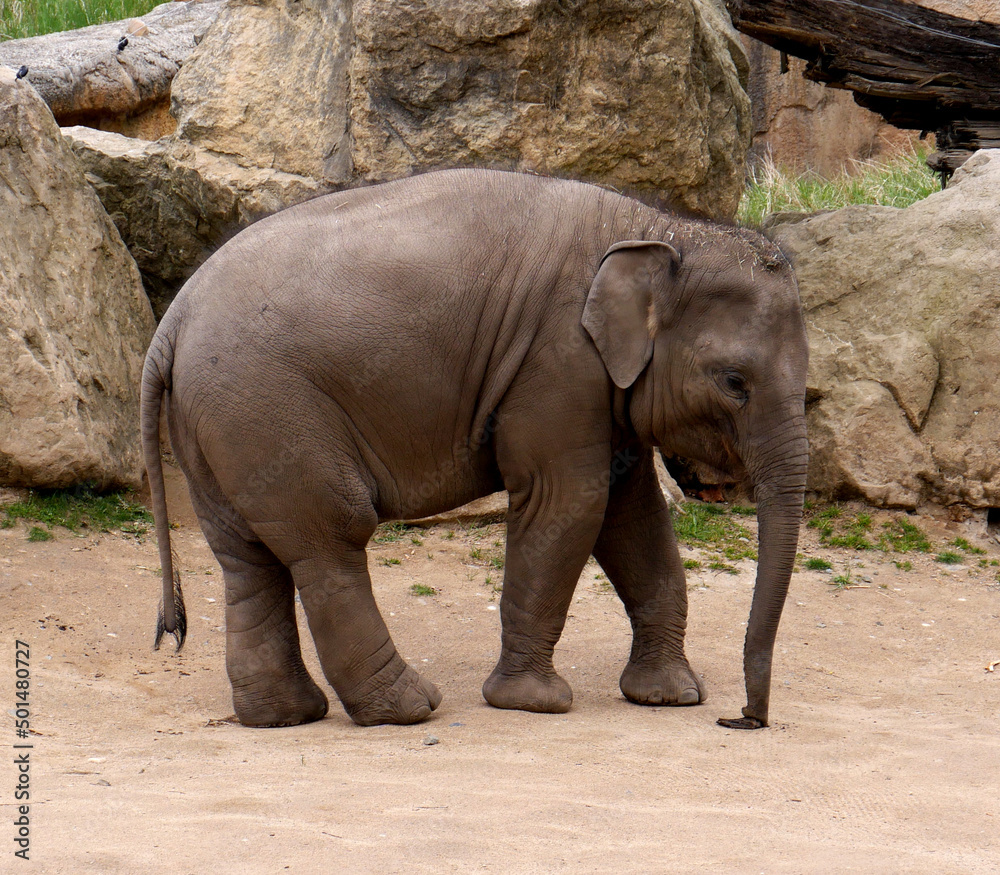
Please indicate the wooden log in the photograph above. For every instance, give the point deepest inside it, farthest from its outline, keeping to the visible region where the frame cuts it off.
(889, 52)
(85, 77)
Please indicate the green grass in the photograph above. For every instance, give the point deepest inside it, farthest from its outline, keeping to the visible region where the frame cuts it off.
(389, 533)
(422, 589)
(814, 563)
(948, 557)
(722, 566)
(22, 18)
(713, 528)
(842, 581)
(963, 545)
(77, 509)
(901, 536)
(491, 554)
(837, 529)
(895, 182)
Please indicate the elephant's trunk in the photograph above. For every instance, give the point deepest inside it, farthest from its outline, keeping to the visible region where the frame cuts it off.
(779, 488)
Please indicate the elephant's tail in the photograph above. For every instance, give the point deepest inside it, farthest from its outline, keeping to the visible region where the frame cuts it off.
(172, 617)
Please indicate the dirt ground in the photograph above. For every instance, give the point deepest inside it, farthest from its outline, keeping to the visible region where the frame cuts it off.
(883, 756)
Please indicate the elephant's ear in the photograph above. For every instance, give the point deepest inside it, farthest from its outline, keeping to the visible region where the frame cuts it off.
(621, 311)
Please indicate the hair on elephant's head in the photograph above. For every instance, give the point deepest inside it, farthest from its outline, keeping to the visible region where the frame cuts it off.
(707, 333)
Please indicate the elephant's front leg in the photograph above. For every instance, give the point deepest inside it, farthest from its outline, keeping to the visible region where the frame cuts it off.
(551, 527)
(638, 551)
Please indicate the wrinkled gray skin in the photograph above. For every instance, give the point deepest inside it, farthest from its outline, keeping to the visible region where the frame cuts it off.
(395, 351)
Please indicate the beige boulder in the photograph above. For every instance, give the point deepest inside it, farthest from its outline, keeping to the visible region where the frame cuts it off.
(268, 87)
(642, 96)
(903, 312)
(74, 320)
(171, 230)
(315, 95)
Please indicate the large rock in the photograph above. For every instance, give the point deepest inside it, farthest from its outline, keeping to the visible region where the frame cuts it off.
(640, 95)
(170, 231)
(86, 79)
(268, 87)
(903, 311)
(74, 320)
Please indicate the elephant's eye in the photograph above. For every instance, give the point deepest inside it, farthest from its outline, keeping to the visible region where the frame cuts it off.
(735, 385)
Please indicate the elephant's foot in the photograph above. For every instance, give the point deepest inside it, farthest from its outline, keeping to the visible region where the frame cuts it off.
(284, 702)
(741, 723)
(672, 684)
(409, 699)
(528, 691)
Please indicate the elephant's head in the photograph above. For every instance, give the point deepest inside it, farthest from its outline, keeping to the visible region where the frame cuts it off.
(708, 335)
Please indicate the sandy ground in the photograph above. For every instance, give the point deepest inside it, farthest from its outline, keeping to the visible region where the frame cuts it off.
(884, 754)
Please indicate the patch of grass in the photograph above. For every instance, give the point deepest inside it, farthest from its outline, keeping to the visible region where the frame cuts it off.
(492, 555)
(823, 520)
(422, 589)
(712, 528)
(22, 18)
(36, 533)
(388, 560)
(901, 536)
(814, 563)
(845, 580)
(853, 533)
(75, 509)
(706, 524)
(838, 529)
(905, 565)
(842, 581)
(965, 546)
(949, 557)
(389, 533)
(741, 549)
(740, 510)
(691, 564)
(895, 182)
(722, 566)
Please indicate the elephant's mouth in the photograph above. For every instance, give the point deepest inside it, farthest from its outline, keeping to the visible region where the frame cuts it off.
(698, 477)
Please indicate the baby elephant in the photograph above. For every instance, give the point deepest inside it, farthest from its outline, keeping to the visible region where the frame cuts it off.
(396, 351)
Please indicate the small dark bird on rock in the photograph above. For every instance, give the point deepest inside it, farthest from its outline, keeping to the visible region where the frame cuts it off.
(22, 72)
(122, 43)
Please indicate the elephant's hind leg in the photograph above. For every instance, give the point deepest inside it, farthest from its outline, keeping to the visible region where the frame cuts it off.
(330, 568)
(638, 551)
(271, 685)
(358, 656)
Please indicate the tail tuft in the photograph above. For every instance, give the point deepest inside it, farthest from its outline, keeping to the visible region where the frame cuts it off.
(180, 615)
